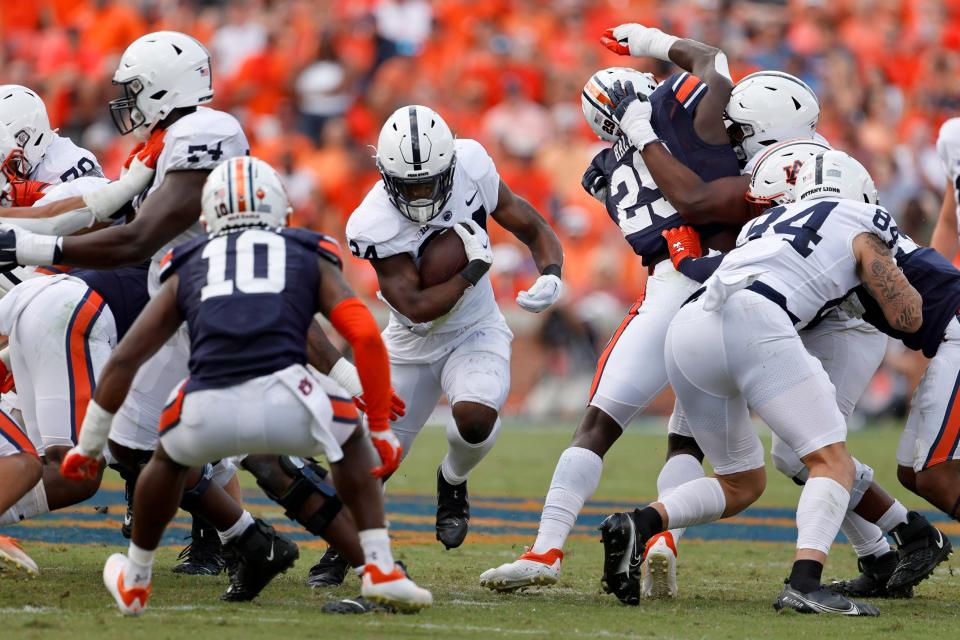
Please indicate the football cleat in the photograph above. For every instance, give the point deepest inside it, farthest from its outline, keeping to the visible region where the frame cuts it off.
(623, 547)
(131, 601)
(126, 529)
(453, 512)
(14, 559)
(875, 572)
(821, 601)
(330, 570)
(920, 548)
(394, 589)
(358, 605)
(660, 567)
(529, 570)
(204, 555)
(261, 553)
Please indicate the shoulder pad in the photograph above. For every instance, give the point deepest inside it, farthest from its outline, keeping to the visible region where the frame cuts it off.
(473, 159)
(174, 258)
(201, 140)
(326, 246)
(373, 225)
(686, 88)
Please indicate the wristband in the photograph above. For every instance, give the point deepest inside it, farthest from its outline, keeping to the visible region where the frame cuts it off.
(33, 249)
(95, 430)
(110, 198)
(551, 270)
(475, 270)
(345, 374)
(659, 44)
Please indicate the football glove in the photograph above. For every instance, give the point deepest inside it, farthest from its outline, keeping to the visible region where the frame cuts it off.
(77, 465)
(682, 243)
(387, 445)
(595, 183)
(638, 41)
(541, 296)
(138, 174)
(632, 114)
(398, 408)
(21, 247)
(476, 243)
(7, 383)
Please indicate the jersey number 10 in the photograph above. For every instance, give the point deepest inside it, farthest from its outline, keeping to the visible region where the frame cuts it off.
(272, 278)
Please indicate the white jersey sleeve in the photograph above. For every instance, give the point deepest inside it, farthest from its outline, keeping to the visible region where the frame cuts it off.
(477, 164)
(376, 229)
(64, 161)
(64, 190)
(948, 150)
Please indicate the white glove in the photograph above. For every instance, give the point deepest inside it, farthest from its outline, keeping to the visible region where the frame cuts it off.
(19, 246)
(635, 123)
(108, 199)
(476, 243)
(645, 41)
(544, 292)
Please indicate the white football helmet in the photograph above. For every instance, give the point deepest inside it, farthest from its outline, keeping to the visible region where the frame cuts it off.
(767, 107)
(416, 157)
(160, 72)
(775, 173)
(25, 115)
(11, 156)
(597, 105)
(243, 192)
(835, 174)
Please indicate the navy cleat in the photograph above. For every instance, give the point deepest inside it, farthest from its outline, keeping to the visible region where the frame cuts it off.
(453, 512)
(920, 548)
(875, 572)
(623, 546)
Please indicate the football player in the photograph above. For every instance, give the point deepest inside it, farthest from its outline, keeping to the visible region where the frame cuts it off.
(248, 292)
(449, 338)
(791, 264)
(946, 234)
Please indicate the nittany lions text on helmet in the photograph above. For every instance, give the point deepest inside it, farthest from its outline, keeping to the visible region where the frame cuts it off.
(244, 192)
(835, 174)
(160, 72)
(597, 105)
(416, 158)
(767, 107)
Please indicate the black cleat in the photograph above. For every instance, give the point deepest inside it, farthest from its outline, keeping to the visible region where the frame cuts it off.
(204, 555)
(875, 572)
(623, 547)
(453, 512)
(920, 547)
(126, 529)
(261, 554)
(821, 601)
(330, 570)
(358, 605)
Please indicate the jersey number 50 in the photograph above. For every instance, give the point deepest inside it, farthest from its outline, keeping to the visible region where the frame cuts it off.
(272, 276)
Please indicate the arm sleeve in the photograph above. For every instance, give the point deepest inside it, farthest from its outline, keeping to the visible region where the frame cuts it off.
(353, 321)
(700, 269)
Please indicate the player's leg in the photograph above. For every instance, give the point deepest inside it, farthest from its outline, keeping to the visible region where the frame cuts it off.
(21, 492)
(476, 379)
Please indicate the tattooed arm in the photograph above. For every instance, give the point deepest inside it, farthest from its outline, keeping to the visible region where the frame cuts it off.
(902, 306)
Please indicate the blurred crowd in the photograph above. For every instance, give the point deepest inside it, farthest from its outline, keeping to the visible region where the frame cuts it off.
(312, 80)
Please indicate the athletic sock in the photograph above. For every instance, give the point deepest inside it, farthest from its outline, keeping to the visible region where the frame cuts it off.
(822, 506)
(574, 480)
(895, 515)
(866, 538)
(463, 456)
(376, 549)
(139, 567)
(677, 470)
(696, 502)
(237, 529)
(805, 575)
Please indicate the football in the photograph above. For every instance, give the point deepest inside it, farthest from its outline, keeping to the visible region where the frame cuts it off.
(443, 258)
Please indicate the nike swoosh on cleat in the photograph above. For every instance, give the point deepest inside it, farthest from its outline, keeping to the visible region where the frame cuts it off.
(939, 539)
(270, 555)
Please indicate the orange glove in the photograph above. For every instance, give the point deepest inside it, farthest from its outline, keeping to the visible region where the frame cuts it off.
(147, 152)
(610, 42)
(78, 466)
(682, 243)
(388, 446)
(24, 193)
(6, 379)
(398, 408)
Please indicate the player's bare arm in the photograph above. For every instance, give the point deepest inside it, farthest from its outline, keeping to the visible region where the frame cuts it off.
(400, 285)
(518, 216)
(710, 65)
(320, 351)
(944, 238)
(901, 304)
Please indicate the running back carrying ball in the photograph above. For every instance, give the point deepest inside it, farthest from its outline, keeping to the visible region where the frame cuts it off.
(443, 258)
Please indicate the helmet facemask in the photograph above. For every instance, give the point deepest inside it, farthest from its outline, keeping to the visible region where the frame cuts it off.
(125, 112)
(421, 198)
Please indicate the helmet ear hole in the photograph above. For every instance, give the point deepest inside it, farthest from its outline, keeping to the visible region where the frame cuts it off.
(159, 94)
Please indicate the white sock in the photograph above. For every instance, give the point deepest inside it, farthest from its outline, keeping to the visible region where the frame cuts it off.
(676, 471)
(823, 504)
(696, 502)
(139, 567)
(376, 549)
(574, 481)
(463, 456)
(33, 503)
(896, 514)
(866, 538)
(237, 529)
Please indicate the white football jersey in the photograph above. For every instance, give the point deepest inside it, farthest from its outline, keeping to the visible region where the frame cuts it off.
(198, 141)
(752, 163)
(948, 149)
(802, 253)
(64, 161)
(376, 229)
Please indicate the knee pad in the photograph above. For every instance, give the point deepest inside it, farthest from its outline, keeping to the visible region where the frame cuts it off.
(788, 462)
(862, 479)
(34, 503)
(308, 478)
(191, 497)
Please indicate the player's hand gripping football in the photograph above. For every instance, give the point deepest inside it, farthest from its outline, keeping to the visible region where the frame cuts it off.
(387, 445)
(631, 112)
(476, 243)
(682, 243)
(77, 465)
(639, 41)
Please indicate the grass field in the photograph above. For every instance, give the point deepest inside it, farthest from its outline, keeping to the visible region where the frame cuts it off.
(727, 582)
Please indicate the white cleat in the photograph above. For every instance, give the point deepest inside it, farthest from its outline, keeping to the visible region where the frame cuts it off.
(529, 570)
(394, 589)
(14, 559)
(660, 568)
(131, 601)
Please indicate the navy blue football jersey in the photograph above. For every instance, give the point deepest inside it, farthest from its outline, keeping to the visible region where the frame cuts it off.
(248, 298)
(633, 199)
(123, 290)
(938, 283)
